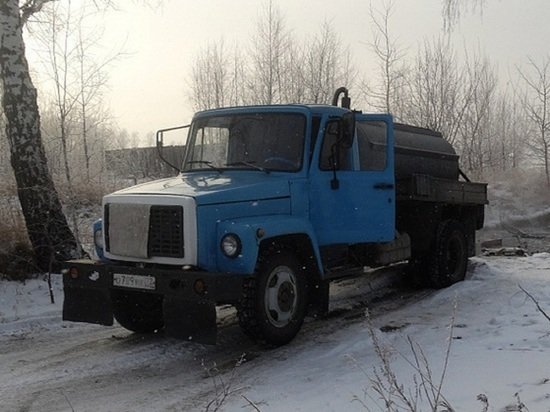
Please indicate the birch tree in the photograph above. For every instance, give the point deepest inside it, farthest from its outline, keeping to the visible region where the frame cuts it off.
(47, 227)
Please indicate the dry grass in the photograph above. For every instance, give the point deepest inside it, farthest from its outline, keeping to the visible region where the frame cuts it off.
(80, 206)
(224, 387)
(385, 386)
(16, 255)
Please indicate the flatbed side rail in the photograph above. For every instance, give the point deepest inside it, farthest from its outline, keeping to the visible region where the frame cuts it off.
(432, 189)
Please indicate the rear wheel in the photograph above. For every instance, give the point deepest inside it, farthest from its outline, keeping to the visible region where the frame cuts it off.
(449, 258)
(138, 311)
(273, 307)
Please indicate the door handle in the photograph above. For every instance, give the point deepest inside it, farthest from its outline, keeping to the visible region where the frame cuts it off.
(383, 186)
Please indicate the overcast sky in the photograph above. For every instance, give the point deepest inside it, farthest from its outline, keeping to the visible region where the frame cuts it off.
(148, 88)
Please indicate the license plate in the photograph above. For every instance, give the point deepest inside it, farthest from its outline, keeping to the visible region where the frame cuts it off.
(134, 281)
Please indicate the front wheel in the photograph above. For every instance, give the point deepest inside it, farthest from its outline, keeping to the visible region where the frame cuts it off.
(138, 311)
(449, 258)
(274, 303)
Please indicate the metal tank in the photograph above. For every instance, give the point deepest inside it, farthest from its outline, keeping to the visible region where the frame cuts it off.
(423, 151)
(417, 151)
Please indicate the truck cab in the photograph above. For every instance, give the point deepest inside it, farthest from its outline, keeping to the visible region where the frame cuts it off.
(269, 205)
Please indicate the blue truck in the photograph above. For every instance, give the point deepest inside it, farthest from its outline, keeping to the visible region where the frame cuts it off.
(270, 204)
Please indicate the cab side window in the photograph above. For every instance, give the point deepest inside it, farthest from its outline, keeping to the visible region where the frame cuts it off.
(371, 138)
(332, 152)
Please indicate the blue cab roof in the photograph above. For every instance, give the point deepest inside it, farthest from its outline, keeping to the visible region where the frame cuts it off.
(313, 109)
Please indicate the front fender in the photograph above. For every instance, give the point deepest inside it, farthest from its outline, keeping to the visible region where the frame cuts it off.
(254, 230)
(98, 253)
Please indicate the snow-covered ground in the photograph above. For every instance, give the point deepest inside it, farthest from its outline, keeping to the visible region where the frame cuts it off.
(500, 346)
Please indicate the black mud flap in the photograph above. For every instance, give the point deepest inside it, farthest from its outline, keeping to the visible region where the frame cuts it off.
(88, 305)
(190, 320)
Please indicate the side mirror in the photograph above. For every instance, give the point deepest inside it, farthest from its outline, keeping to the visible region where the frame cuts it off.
(348, 129)
(160, 144)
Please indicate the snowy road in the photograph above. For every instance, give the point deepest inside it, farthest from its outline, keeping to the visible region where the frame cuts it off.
(501, 346)
(49, 365)
(85, 368)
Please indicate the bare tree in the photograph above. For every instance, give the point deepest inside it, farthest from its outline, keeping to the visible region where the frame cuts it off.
(270, 72)
(293, 89)
(267, 55)
(475, 128)
(509, 125)
(47, 227)
(210, 82)
(435, 96)
(391, 66)
(60, 52)
(91, 81)
(277, 68)
(237, 94)
(536, 101)
(452, 10)
(77, 84)
(459, 99)
(499, 144)
(327, 66)
(75, 63)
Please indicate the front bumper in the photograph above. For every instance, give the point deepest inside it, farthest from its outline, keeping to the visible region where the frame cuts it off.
(189, 297)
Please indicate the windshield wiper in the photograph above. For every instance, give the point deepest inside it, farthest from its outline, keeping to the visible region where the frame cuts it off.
(204, 162)
(248, 164)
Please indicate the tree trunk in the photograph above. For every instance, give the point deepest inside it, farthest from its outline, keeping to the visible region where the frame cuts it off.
(47, 226)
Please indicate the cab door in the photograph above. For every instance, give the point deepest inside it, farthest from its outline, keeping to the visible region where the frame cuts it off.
(352, 196)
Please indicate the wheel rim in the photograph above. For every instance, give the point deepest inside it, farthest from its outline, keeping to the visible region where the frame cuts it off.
(281, 296)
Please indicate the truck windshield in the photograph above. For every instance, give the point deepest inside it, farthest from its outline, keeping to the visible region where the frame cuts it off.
(261, 141)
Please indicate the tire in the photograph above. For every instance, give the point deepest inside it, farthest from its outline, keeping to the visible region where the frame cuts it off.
(449, 258)
(274, 303)
(138, 311)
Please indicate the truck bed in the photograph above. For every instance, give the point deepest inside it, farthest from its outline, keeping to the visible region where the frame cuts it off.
(431, 189)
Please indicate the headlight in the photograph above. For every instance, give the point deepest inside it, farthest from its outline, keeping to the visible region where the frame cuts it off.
(98, 238)
(231, 245)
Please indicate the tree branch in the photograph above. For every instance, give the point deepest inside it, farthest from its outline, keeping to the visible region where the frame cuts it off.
(540, 309)
(31, 7)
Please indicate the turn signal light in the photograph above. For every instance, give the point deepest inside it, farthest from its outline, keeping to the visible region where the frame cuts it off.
(73, 272)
